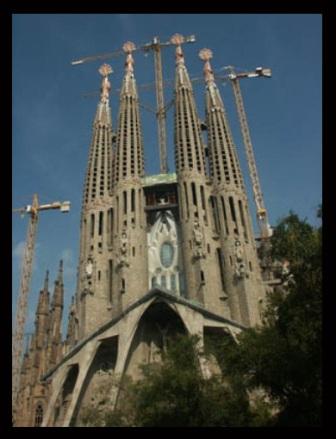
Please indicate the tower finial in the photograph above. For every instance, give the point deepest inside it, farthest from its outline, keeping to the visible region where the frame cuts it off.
(178, 39)
(206, 55)
(60, 271)
(128, 48)
(46, 281)
(105, 70)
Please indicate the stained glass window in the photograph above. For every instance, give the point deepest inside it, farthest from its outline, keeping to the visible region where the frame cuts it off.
(166, 254)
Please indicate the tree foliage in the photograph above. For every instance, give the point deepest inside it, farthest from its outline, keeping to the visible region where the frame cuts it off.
(283, 357)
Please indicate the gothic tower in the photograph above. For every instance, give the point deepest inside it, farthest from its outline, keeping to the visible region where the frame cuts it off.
(40, 339)
(237, 252)
(93, 286)
(129, 263)
(55, 325)
(199, 243)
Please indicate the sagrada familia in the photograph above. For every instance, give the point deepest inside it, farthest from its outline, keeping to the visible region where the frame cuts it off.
(159, 255)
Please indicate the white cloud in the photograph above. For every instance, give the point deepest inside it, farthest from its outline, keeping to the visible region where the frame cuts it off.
(18, 251)
(68, 263)
(18, 254)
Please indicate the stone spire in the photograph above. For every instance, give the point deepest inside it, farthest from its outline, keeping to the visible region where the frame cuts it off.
(55, 332)
(189, 153)
(128, 269)
(238, 259)
(199, 257)
(129, 161)
(98, 176)
(223, 159)
(71, 330)
(42, 314)
(58, 296)
(97, 215)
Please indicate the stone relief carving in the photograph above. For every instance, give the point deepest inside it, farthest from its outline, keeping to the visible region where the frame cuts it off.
(123, 249)
(239, 264)
(198, 241)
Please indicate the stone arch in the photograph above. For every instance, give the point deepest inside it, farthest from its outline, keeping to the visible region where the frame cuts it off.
(158, 323)
(99, 379)
(65, 395)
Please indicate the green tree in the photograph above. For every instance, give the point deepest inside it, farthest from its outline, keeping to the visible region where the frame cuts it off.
(283, 357)
(174, 393)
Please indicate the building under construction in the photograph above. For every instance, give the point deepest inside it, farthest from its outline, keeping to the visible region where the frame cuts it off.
(159, 254)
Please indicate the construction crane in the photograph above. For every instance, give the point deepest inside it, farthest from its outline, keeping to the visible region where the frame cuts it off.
(234, 77)
(26, 274)
(155, 45)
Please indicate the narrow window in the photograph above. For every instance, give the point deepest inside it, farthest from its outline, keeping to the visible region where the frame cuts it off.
(233, 214)
(225, 217)
(110, 277)
(214, 209)
(122, 285)
(132, 200)
(133, 251)
(186, 198)
(208, 247)
(100, 229)
(163, 281)
(92, 224)
(117, 216)
(202, 277)
(250, 265)
(242, 218)
(154, 282)
(98, 274)
(220, 260)
(38, 415)
(111, 225)
(232, 209)
(193, 191)
(125, 201)
(202, 197)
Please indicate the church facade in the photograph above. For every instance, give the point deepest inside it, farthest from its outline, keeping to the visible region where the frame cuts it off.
(159, 255)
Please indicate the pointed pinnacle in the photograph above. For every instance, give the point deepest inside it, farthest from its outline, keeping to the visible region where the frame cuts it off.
(46, 281)
(206, 55)
(128, 48)
(105, 88)
(60, 271)
(178, 39)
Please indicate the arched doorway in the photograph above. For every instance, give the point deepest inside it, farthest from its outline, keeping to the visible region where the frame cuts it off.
(65, 395)
(96, 388)
(158, 324)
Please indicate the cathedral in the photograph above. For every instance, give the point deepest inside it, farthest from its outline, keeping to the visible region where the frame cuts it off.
(159, 255)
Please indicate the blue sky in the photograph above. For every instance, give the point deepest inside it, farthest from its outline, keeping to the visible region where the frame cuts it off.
(52, 120)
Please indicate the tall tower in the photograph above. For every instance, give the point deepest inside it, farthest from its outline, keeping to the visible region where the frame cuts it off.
(42, 325)
(93, 287)
(241, 271)
(201, 270)
(129, 262)
(56, 313)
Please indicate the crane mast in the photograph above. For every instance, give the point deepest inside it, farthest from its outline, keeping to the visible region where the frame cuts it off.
(161, 112)
(26, 275)
(262, 216)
